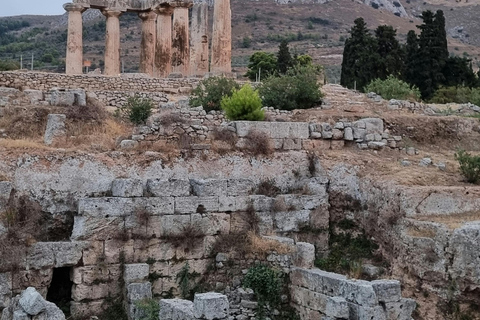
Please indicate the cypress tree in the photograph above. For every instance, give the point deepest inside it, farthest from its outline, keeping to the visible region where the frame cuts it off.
(359, 57)
(390, 53)
(284, 59)
(458, 72)
(412, 63)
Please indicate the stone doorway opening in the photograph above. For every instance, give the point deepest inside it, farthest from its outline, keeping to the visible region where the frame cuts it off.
(60, 290)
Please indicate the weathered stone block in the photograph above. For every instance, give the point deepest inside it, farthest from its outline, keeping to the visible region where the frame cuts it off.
(20, 315)
(55, 128)
(359, 292)
(5, 190)
(291, 220)
(210, 306)
(366, 313)
(212, 223)
(139, 291)
(274, 130)
(292, 144)
(304, 255)
(112, 207)
(209, 187)
(137, 272)
(97, 228)
(337, 308)
(127, 188)
(387, 290)
(185, 205)
(174, 225)
(373, 125)
(239, 187)
(401, 310)
(176, 309)
(32, 302)
(261, 203)
(168, 188)
(5, 289)
(82, 292)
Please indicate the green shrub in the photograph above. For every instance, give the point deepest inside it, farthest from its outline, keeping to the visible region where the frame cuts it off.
(475, 96)
(209, 92)
(393, 88)
(469, 165)
(451, 95)
(149, 309)
(298, 89)
(244, 104)
(137, 109)
(267, 284)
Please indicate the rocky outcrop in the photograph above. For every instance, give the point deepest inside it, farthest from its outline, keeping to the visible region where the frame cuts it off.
(31, 305)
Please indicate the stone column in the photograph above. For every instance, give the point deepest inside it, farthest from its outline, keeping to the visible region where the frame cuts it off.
(199, 39)
(74, 60)
(181, 41)
(112, 42)
(222, 37)
(147, 51)
(163, 48)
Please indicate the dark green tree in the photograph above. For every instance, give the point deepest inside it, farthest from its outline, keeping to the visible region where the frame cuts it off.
(284, 58)
(391, 54)
(458, 72)
(411, 58)
(359, 57)
(262, 63)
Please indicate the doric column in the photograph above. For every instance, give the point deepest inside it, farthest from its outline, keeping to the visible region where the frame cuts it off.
(147, 51)
(199, 39)
(163, 48)
(181, 38)
(222, 37)
(112, 42)
(74, 60)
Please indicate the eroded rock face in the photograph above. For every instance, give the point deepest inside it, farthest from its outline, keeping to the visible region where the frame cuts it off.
(31, 305)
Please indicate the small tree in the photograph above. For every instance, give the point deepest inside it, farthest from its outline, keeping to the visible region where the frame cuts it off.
(244, 104)
(209, 92)
(262, 63)
(284, 58)
(137, 109)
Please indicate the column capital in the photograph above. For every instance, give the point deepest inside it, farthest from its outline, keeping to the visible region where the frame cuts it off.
(69, 7)
(182, 3)
(164, 10)
(148, 15)
(112, 12)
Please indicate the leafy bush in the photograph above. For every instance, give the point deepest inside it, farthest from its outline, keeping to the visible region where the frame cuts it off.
(266, 283)
(393, 88)
(451, 94)
(263, 63)
(149, 309)
(209, 92)
(137, 109)
(475, 96)
(244, 104)
(298, 89)
(469, 165)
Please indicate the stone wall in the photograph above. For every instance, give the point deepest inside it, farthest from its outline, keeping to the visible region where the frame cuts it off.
(316, 293)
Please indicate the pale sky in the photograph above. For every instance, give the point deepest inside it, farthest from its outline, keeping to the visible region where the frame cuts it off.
(35, 7)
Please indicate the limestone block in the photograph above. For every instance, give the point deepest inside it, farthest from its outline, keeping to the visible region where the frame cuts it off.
(292, 144)
(210, 306)
(112, 207)
(20, 315)
(135, 272)
(139, 291)
(310, 299)
(304, 255)
(5, 289)
(168, 188)
(373, 125)
(86, 309)
(67, 97)
(265, 222)
(337, 134)
(127, 188)
(209, 187)
(97, 228)
(40, 255)
(401, 310)
(359, 292)
(366, 313)
(196, 204)
(337, 308)
(35, 96)
(274, 130)
(176, 309)
(67, 253)
(464, 249)
(97, 273)
(291, 220)
(32, 302)
(212, 223)
(52, 312)
(239, 187)
(227, 204)
(157, 249)
(261, 203)
(128, 144)
(35, 278)
(55, 128)
(318, 280)
(82, 292)
(174, 224)
(387, 290)
(348, 134)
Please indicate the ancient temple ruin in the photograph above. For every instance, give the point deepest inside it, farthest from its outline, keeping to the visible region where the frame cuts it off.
(171, 42)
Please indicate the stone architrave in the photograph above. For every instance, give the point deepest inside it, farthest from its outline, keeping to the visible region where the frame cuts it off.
(74, 59)
(199, 39)
(163, 49)
(112, 42)
(222, 37)
(181, 42)
(147, 52)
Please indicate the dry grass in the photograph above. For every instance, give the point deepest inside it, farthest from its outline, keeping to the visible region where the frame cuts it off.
(24, 123)
(188, 237)
(421, 232)
(249, 243)
(268, 188)
(258, 143)
(452, 221)
(23, 144)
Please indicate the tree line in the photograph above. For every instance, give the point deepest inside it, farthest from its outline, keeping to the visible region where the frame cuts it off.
(423, 62)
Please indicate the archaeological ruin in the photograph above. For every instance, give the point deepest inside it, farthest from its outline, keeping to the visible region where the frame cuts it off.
(171, 41)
